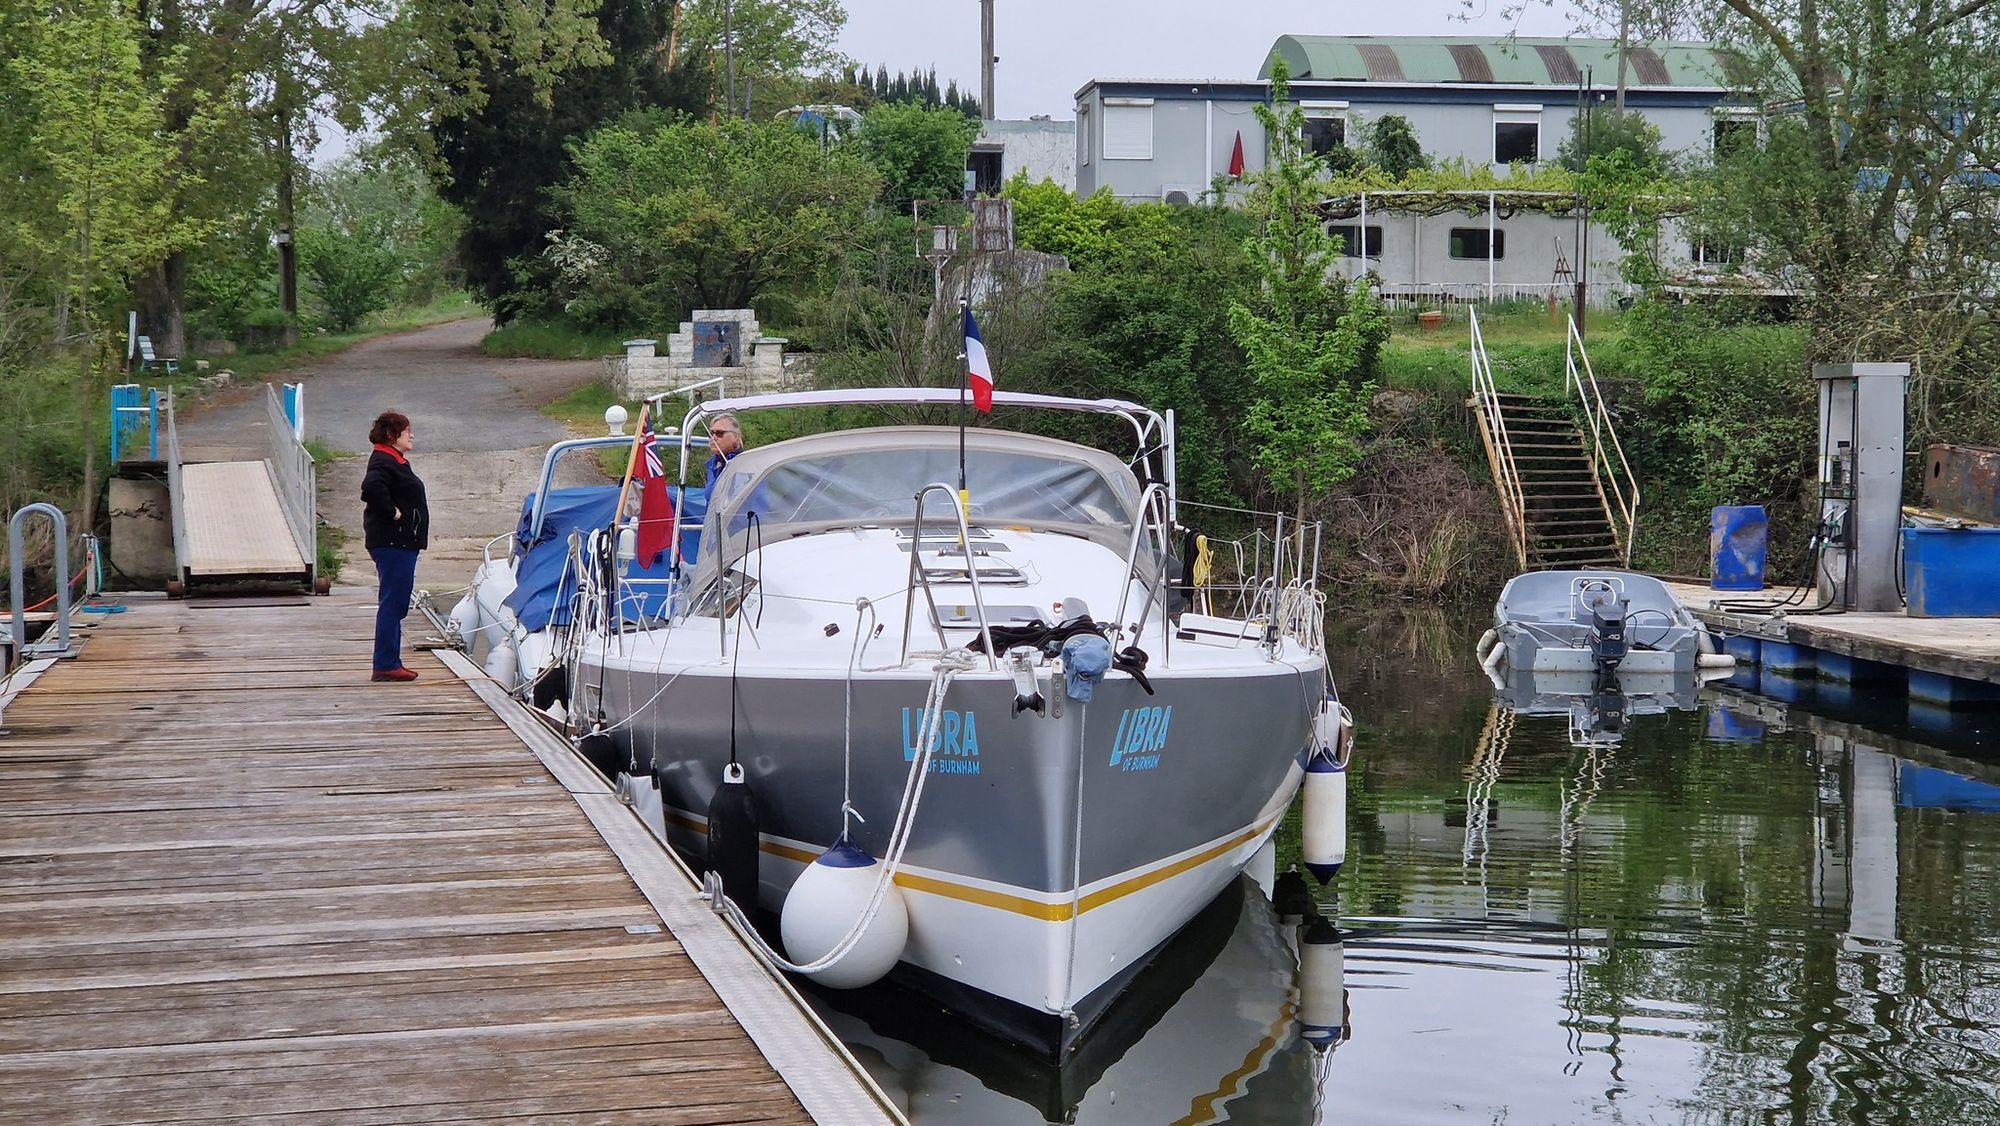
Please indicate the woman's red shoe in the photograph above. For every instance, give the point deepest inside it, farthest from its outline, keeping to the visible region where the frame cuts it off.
(395, 674)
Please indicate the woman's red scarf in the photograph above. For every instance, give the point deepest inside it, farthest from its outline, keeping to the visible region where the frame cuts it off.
(393, 452)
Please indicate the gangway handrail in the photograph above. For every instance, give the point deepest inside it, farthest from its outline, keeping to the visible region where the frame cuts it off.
(17, 577)
(1499, 448)
(921, 577)
(1622, 502)
(176, 496)
(294, 473)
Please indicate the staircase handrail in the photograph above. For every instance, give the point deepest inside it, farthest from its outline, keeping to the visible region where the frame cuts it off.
(1621, 502)
(1499, 448)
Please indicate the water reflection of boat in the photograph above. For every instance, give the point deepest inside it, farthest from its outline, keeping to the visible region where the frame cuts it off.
(1598, 706)
(1208, 1032)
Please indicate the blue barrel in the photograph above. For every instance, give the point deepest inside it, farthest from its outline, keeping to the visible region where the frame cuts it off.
(1736, 537)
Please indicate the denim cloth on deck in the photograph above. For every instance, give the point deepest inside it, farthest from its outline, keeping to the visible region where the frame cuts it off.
(396, 568)
(1084, 657)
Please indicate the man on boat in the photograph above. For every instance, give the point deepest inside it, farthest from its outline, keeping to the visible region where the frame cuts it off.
(725, 441)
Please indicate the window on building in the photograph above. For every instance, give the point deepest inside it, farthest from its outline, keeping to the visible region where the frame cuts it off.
(1516, 141)
(984, 164)
(1470, 242)
(1733, 135)
(1714, 252)
(1352, 239)
(1128, 128)
(1324, 133)
(1083, 133)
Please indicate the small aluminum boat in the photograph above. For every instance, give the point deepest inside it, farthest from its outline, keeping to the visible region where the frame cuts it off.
(1599, 622)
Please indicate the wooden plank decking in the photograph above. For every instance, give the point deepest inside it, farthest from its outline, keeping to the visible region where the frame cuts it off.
(240, 882)
(1960, 647)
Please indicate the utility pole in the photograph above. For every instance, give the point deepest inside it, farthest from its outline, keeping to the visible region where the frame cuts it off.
(986, 59)
(1624, 36)
(728, 58)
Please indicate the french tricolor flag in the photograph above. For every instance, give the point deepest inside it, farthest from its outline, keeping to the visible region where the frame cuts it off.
(978, 370)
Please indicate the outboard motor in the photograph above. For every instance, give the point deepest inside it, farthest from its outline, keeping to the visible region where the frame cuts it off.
(1608, 644)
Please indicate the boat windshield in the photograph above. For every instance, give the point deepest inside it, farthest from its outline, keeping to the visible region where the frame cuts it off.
(879, 486)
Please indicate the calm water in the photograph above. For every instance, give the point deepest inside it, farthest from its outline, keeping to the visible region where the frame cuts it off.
(1761, 910)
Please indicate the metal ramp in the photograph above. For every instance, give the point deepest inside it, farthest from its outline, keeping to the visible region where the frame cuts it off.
(237, 521)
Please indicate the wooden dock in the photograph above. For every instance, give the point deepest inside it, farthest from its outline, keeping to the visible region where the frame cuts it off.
(238, 881)
(1962, 648)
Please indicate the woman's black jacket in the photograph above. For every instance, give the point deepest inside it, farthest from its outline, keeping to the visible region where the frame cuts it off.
(390, 485)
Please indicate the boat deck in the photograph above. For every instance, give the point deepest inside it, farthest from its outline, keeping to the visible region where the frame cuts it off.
(240, 882)
(1967, 648)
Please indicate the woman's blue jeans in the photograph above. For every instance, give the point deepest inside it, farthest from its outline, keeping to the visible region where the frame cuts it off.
(396, 568)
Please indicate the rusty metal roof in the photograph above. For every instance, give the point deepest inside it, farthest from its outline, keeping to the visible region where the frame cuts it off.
(1426, 59)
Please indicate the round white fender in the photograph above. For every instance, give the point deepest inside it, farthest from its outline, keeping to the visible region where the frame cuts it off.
(503, 663)
(823, 906)
(1322, 986)
(1487, 641)
(1715, 661)
(1324, 848)
(465, 619)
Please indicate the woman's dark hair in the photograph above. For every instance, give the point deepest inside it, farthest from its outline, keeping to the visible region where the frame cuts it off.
(389, 425)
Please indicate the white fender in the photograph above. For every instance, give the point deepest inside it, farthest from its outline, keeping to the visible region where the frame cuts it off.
(823, 906)
(1324, 816)
(503, 663)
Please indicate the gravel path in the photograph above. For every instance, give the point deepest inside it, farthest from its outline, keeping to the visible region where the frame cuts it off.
(480, 434)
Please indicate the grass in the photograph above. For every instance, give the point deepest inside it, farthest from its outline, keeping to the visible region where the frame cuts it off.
(582, 412)
(1524, 344)
(545, 340)
(332, 543)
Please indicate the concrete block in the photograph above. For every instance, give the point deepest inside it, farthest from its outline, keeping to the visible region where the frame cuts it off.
(142, 531)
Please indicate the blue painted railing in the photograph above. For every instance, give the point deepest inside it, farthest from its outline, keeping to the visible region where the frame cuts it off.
(132, 411)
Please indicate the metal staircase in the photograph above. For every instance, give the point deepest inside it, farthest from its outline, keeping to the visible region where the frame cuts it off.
(1566, 491)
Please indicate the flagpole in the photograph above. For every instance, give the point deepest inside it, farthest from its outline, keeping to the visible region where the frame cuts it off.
(631, 467)
(964, 389)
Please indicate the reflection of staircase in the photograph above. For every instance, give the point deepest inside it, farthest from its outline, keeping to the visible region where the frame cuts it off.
(1566, 491)
(1566, 523)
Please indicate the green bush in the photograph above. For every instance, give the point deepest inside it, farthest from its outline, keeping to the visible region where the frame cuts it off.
(351, 275)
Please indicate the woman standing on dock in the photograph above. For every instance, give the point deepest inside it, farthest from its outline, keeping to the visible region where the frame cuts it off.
(396, 524)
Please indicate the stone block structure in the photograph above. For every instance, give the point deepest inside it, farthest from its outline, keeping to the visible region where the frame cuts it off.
(726, 345)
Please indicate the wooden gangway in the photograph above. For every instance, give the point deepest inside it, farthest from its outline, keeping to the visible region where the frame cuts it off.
(247, 518)
(240, 882)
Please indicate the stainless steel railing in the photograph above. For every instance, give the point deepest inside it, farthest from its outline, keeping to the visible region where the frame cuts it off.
(293, 470)
(1499, 448)
(1616, 484)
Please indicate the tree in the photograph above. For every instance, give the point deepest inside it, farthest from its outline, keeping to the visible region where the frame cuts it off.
(96, 136)
(1603, 131)
(1393, 146)
(1306, 333)
(502, 137)
(920, 153)
(668, 216)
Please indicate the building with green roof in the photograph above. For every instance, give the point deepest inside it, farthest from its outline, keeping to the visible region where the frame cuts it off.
(1501, 102)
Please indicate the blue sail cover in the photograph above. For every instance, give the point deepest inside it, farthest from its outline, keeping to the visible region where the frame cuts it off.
(543, 586)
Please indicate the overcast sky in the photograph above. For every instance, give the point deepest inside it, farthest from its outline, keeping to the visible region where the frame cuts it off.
(1048, 48)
